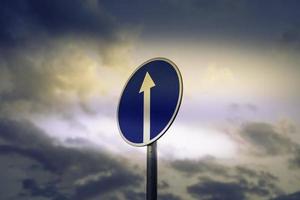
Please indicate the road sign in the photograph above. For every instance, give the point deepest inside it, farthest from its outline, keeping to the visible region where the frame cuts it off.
(150, 101)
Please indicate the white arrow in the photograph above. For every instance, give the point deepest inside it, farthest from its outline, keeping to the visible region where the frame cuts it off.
(146, 87)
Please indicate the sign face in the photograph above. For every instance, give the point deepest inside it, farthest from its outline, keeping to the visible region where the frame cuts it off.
(149, 102)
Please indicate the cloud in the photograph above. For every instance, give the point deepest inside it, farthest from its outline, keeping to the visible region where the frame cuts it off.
(68, 173)
(287, 126)
(217, 181)
(168, 196)
(191, 167)
(294, 196)
(62, 77)
(50, 80)
(35, 190)
(217, 190)
(133, 195)
(241, 170)
(176, 13)
(214, 20)
(58, 56)
(29, 20)
(265, 139)
(105, 185)
(163, 185)
(238, 188)
(239, 112)
(210, 166)
(294, 162)
(291, 38)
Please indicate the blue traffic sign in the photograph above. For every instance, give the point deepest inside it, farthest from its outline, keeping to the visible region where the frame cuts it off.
(150, 101)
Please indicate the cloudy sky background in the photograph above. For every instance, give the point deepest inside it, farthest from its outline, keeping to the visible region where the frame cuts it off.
(63, 65)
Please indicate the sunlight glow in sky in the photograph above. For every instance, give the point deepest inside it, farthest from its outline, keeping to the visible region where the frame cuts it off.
(210, 86)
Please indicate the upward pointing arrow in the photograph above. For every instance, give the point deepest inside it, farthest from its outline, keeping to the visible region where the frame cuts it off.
(147, 84)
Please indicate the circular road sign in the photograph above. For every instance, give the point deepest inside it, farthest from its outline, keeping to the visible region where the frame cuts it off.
(150, 101)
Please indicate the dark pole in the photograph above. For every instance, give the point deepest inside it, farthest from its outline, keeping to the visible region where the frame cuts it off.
(151, 172)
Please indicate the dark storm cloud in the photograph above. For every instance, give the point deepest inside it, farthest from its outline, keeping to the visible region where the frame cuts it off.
(163, 185)
(213, 190)
(133, 195)
(294, 196)
(257, 182)
(190, 167)
(24, 139)
(25, 21)
(266, 139)
(98, 174)
(294, 162)
(237, 189)
(108, 184)
(291, 38)
(261, 175)
(253, 20)
(24, 133)
(212, 167)
(168, 196)
(217, 181)
(44, 45)
(35, 190)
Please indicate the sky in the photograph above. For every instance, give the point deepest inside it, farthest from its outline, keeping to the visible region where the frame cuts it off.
(64, 63)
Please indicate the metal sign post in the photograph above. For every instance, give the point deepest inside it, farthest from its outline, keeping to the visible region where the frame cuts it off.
(151, 192)
(148, 106)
